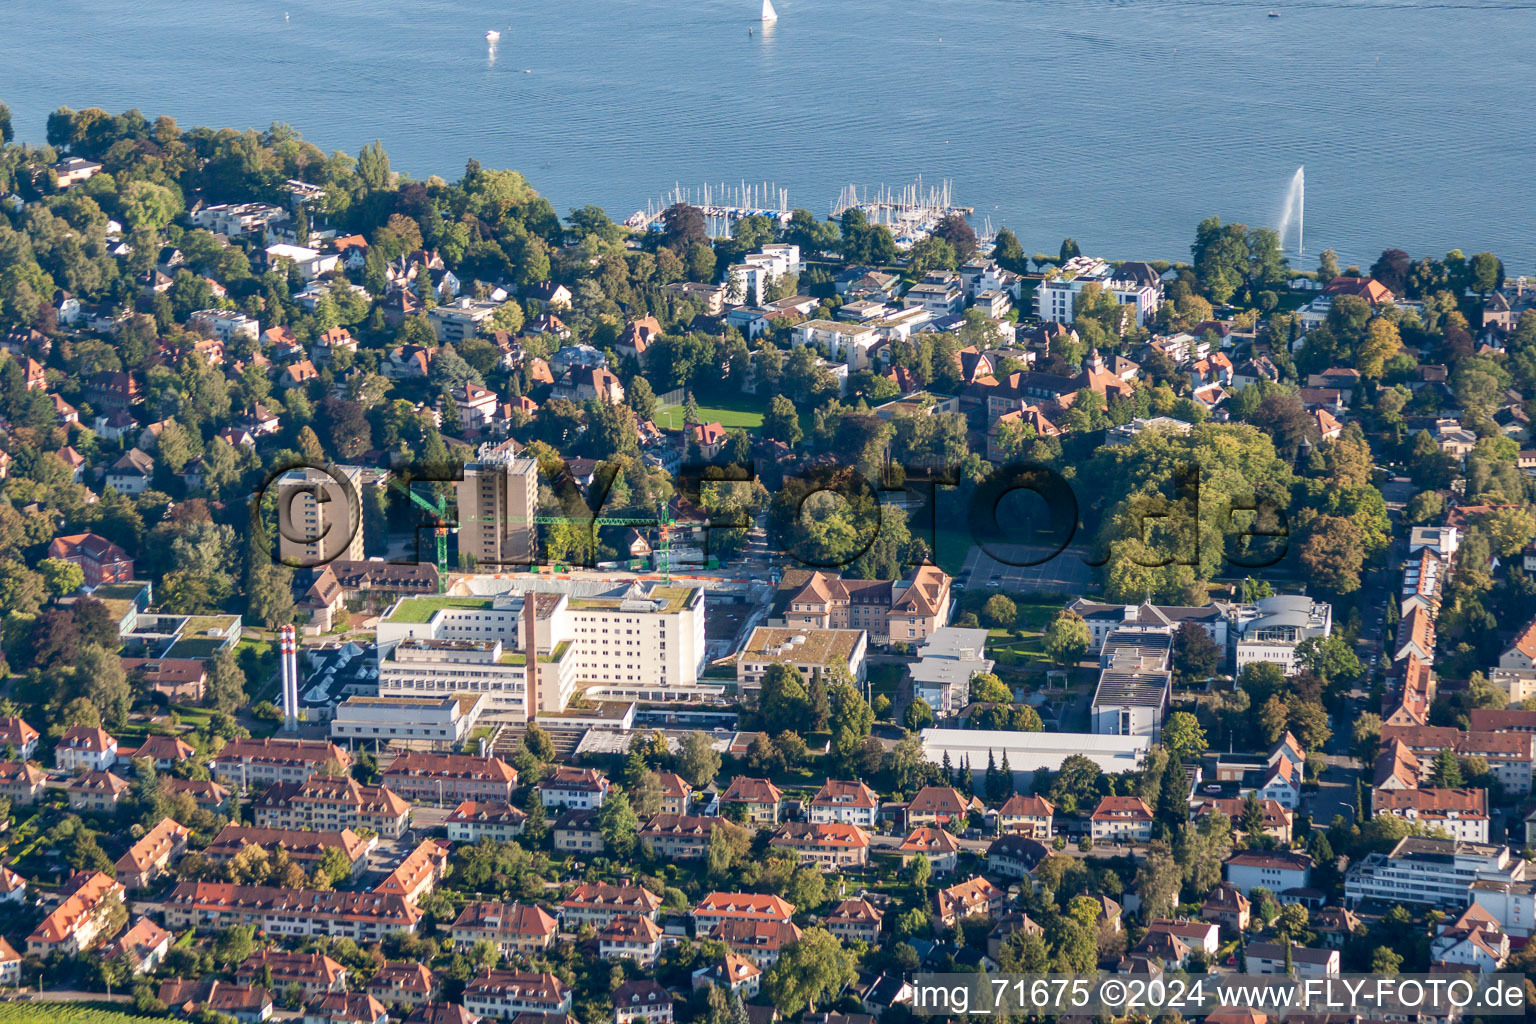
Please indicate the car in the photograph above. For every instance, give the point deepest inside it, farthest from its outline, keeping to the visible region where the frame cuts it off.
(957, 586)
(1213, 788)
(993, 583)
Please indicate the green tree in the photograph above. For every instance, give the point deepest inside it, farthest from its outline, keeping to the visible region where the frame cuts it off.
(1183, 736)
(815, 967)
(1067, 638)
(918, 716)
(619, 824)
(697, 760)
(60, 577)
(1000, 611)
(782, 421)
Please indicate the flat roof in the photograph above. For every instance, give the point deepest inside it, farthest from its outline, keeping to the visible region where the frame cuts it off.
(818, 646)
(1033, 751)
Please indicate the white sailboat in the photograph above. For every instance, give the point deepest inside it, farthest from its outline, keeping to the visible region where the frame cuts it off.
(769, 14)
(492, 36)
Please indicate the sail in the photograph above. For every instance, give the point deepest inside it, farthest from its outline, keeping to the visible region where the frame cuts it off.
(769, 14)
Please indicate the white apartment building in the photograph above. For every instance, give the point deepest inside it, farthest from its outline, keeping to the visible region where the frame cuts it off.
(460, 319)
(238, 219)
(644, 641)
(311, 262)
(849, 342)
(1511, 901)
(812, 652)
(1270, 629)
(420, 723)
(225, 324)
(1460, 813)
(947, 660)
(1135, 284)
(1437, 872)
(1135, 685)
(319, 519)
(497, 500)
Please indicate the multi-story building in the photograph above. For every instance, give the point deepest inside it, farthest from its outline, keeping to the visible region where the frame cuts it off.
(1304, 961)
(298, 913)
(946, 662)
(314, 973)
(304, 847)
(19, 736)
(635, 640)
(81, 918)
(1269, 630)
(813, 652)
(153, 854)
(1509, 755)
(1121, 819)
(320, 518)
(21, 782)
(508, 994)
(246, 763)
(855, 920)
(1136, 285)
(510, 927)
(1135, 682)
(1275, 870)
(1461, 813)
(462, 318)
(497, 500)
(758, 941)
(634, 938)
(597, 903)
(333, 802)
(1026, 816)
(578, 831)
(96, 791)
(680, 836)
(100, 560)
(451, 777)
(474, 820)
(1437, 872)
(852, 803)
(418, 874)
(831, 845)
(908, 610)
(577, 788)
(399, 983)
(941, 805)
(409, 723)
(935, 845)
(719, 907)
(344, 1008)
(975, 897)
(1104, 619)
(642, 1001)
(759, 798)
(226, 325)
(85, 748)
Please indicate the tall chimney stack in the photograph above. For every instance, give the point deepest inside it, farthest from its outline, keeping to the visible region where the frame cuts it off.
(531, 650)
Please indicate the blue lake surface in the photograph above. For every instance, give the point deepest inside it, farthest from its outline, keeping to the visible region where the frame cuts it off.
(1118, 122)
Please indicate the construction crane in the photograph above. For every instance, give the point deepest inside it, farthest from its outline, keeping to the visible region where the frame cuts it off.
(439, 510)
(662, 520)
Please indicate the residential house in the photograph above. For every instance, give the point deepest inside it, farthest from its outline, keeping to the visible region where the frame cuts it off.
(153, 855)
(932, 842)
(313, 974)
(81, 918)
(718, 907)
(143, 946)
(576, 788)
(1275, 870)
(1121, 819)
(851, 803)
(631, 937)
(506, 994)
(971, 898)
(100, 560)
(512, 928)
(598, 903)
(855, 920)
(472, 820)
(1015, 855)
(830, 845)
(1027, 816)
(759, 799)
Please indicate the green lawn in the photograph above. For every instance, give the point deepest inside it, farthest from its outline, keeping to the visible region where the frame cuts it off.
(671, 418)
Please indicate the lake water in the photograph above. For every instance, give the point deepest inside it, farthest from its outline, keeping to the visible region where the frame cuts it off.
(1119, 122)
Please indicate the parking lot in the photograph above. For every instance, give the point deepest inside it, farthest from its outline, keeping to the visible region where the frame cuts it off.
(1066, 573)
